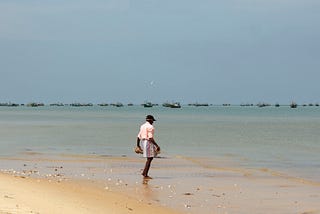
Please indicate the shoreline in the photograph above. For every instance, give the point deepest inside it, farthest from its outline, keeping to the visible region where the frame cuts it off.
(180, 184)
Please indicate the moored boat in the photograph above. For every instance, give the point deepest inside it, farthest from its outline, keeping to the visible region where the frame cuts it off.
(293, 105)
(172, 105)
(147, 105)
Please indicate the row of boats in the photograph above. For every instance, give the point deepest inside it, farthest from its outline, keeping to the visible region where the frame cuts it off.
(166, 104)
(28, 105)
(177, 104)
(292, 105)
(118, 104)
(147, 104)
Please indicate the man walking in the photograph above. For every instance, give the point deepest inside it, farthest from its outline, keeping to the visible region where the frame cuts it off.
(146, 140)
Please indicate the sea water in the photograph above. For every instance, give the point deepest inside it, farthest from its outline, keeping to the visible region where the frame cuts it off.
(282, 139)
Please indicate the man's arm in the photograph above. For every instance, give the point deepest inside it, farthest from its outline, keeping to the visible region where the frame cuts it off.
(138, 142)
(154, 142)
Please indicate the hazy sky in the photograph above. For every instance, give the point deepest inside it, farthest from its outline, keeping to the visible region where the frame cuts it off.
(227, 51)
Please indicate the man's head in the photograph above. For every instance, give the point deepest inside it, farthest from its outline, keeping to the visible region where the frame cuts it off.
(150, 118)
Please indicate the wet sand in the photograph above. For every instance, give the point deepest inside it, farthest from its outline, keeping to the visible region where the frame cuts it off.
(104, 184)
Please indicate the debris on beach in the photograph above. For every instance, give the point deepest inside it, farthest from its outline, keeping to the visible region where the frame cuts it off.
(188, 193)
(187, 206)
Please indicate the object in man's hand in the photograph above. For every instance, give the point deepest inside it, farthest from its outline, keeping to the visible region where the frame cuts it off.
(138, 150)
(158, 150)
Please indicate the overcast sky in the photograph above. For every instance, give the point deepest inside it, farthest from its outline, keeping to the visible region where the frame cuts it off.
(227, 51)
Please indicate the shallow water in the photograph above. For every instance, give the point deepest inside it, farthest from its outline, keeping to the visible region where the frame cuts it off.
(281, 139)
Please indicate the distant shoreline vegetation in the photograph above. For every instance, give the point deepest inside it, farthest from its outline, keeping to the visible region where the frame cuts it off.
(165, 104)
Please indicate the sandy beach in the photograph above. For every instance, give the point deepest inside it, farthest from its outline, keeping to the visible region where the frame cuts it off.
(19, 194)
(89, 184)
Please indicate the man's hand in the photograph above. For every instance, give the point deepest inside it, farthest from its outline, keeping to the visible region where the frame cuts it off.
(138, 150)
(158, 149)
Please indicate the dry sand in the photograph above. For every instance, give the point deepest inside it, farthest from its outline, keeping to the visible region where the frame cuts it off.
(29, 195)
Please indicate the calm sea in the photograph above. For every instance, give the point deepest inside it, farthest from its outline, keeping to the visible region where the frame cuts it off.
(276, 138)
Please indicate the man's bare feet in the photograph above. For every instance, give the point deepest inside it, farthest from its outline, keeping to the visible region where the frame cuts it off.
(146, 177)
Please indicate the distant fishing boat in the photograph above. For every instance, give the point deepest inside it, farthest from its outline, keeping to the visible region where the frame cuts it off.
(103, 104)
(166, 104)
(263, 104)
(35, 104)
(293, 105)
(9, 104)
(147, 105)
(175, 105)
(198, 104)
(56, 104)
(118, 104)
(247, 104)
(172, 105)
(81, 104)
